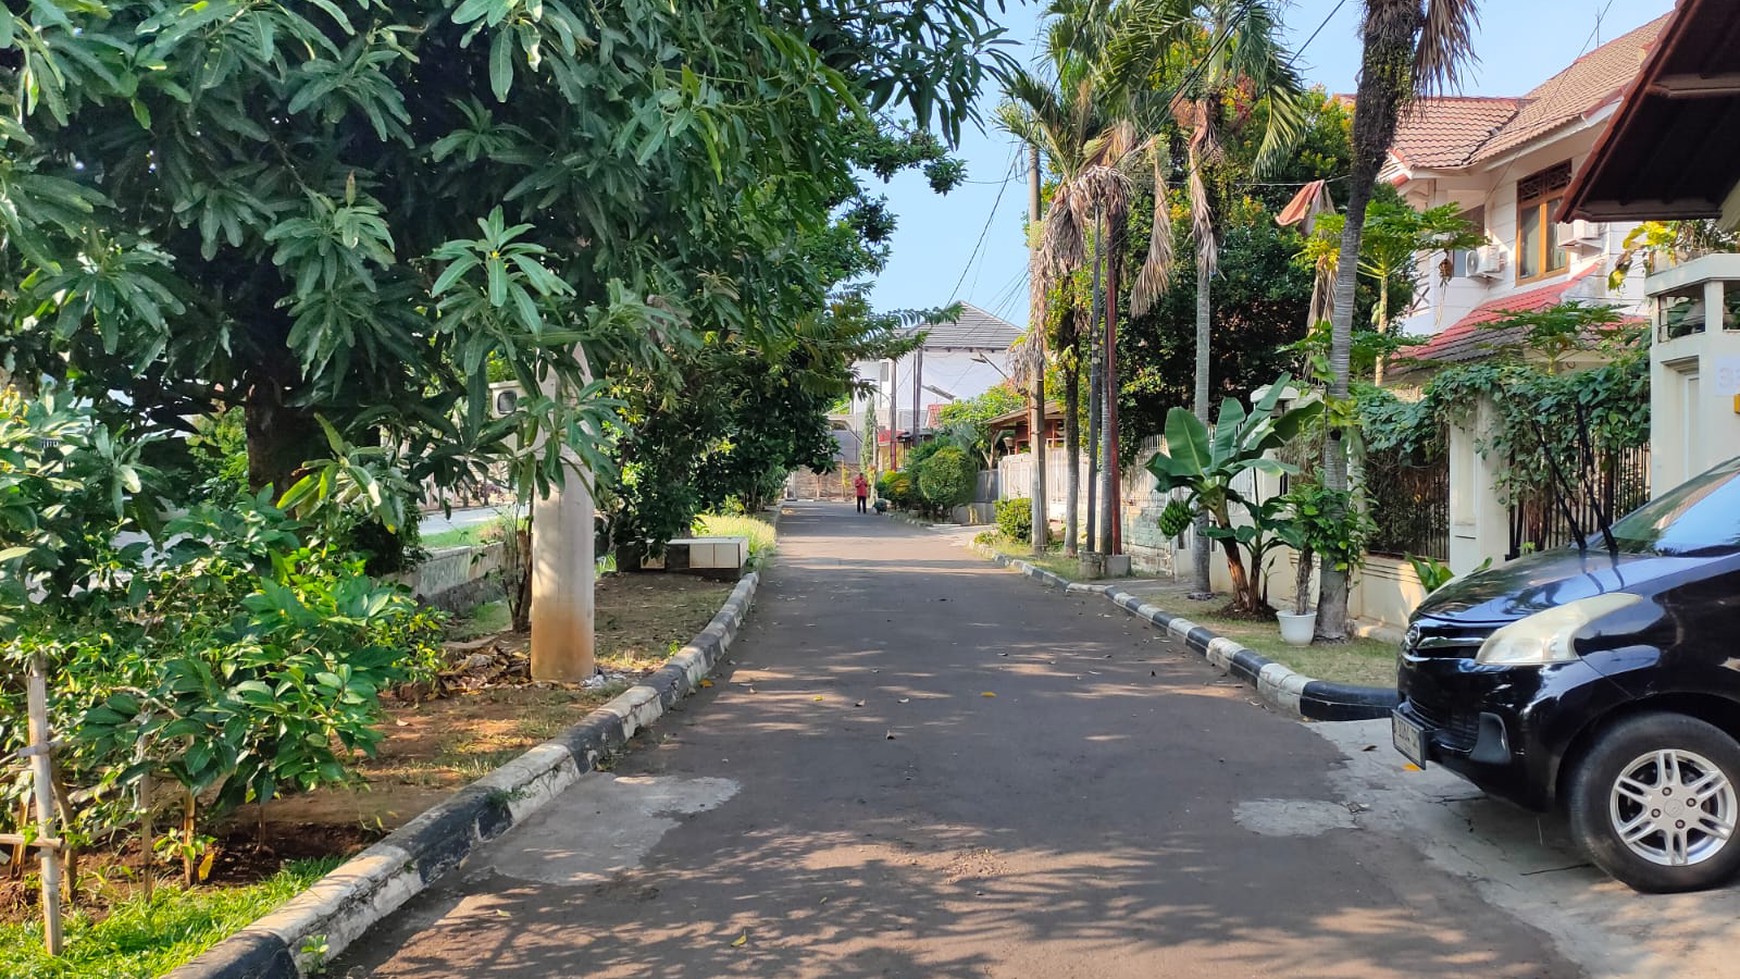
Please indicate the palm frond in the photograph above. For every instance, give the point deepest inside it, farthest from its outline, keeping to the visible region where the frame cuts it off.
(1156, 271)
(1446, 45)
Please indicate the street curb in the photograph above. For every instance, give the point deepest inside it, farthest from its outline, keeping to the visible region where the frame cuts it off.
(1278, 686)
(340, 907)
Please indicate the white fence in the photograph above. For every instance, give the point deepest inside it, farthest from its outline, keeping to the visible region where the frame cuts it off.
(451, 568)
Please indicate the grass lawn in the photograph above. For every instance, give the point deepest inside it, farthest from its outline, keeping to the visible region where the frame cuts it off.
(139, 939)
(1367, 662)
(460, 537)
(1053, 560)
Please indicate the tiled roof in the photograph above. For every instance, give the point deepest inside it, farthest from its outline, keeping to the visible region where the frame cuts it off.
(1452, 132)
(1470, 339)
(975, 330)
(1441, 133)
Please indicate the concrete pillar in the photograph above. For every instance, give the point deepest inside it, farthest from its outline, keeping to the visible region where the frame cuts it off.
(564, 571)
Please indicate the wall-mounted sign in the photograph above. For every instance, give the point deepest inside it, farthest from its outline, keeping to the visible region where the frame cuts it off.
(1727, 375)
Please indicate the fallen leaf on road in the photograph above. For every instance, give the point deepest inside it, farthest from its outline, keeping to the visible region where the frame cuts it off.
(906, 700)
(858, 704)
(1369, 747)
(1411, 767)
(987, 694)
(889, 735)
(706, 683)
(821, 698)
(742, 940)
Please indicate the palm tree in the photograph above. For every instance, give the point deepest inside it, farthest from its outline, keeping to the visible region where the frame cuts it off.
(1060, 113)
(1230, 60)
(1410, 48)
(1090, 131)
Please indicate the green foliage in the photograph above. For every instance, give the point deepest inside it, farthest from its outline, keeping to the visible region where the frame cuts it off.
(140, 939)
(1395, 236)
(1015, 519)
(371, 210)
(1327, 525)
(1206, 465)
(241, 658)
(969, 420)
(1175, 518)
(900, 489)
(1540, 407)
(219, 451)
(947, 478)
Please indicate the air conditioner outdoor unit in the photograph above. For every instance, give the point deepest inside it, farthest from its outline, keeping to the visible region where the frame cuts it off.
(1487, 262)
(1575, 234)
(504, 398)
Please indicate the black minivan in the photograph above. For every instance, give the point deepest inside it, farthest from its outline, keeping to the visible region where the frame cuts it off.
(1604, 679)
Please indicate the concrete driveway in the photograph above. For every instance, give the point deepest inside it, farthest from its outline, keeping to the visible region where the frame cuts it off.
(917, 764)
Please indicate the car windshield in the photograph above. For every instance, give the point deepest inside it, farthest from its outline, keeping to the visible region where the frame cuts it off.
(1700, 516)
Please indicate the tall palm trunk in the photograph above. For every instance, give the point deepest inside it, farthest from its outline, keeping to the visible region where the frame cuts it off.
(1385, 79)
(1072, 446)
(1201, 584)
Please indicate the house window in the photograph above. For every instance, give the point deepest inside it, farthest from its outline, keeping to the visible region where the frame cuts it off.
(1538, 196)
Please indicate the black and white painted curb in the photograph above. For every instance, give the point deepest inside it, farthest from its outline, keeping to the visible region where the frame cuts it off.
(1277, 686)
(317, 924)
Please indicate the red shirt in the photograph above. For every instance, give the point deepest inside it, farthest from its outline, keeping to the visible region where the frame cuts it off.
(861, 485)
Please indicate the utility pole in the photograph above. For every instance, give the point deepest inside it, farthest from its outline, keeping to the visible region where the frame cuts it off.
(563, 572)
(893, 413)
(917, 393)
(1036, 422)
(1114, 476)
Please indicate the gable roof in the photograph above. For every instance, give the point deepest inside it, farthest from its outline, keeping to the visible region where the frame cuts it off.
(1665, 155)
(974, 330)
(1443, 133)
(1453, 132)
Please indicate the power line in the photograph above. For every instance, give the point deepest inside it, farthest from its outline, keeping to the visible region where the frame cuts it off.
(955, 292)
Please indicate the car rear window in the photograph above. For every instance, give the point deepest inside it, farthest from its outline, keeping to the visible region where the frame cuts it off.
(1700, 516)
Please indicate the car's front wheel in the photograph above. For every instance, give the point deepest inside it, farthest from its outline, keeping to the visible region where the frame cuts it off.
(1655, 802)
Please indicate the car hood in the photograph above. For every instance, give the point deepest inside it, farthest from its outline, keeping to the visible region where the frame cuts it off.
(1547, 579)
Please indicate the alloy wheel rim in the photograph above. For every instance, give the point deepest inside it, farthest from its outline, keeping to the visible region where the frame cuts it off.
(1673, 808)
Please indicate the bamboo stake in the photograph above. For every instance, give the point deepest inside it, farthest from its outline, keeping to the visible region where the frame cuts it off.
(146, 876)
(43, 777)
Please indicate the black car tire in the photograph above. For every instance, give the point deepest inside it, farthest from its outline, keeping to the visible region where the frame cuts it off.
(1590, 793)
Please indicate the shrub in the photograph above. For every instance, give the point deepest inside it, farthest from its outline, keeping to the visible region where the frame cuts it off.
(897, 488)
(1015, 518)
(948, 477)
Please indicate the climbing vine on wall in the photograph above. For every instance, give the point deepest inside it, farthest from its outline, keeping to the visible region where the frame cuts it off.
(1541, 412)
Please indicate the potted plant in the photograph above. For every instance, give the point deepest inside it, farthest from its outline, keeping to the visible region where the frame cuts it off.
(1325, 524)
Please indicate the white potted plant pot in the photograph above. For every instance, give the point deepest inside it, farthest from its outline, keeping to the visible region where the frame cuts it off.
(1297, 630)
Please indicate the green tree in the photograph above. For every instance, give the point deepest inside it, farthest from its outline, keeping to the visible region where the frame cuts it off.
(1408, 47)
(1395, 237)
(969, 420)
(362, 208)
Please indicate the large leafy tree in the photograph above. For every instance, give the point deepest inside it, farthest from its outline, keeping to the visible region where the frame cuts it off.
(1409, 47)
(355, 208)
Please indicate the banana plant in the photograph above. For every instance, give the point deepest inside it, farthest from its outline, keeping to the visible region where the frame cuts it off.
(1207, 465)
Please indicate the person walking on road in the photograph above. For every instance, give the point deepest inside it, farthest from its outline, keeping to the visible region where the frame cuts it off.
(861, 486)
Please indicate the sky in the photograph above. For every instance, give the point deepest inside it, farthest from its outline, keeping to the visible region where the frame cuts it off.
(968, 245)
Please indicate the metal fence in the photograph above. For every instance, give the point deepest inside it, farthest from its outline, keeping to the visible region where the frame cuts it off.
(1408, 496)
(1620, 478)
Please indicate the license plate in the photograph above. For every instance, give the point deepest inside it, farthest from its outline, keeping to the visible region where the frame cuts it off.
(1410, 739)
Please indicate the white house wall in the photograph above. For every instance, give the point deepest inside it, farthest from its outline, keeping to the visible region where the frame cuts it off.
(959, 372)
(1494, 188)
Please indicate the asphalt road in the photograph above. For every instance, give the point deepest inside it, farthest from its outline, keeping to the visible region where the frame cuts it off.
(849, 800)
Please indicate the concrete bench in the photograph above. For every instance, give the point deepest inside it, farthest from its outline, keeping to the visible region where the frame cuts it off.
(712, 557)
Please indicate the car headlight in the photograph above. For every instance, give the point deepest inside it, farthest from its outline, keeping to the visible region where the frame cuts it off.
(1545, 637)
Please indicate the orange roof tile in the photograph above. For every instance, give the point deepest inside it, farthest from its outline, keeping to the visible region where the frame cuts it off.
(1441, 133)
(1470, 339)
(1456, 131)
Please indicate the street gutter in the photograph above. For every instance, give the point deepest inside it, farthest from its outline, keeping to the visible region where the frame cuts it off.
(1278, 686)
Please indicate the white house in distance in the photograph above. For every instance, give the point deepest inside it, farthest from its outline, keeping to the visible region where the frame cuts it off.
(1507, 162)
(958, 360)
